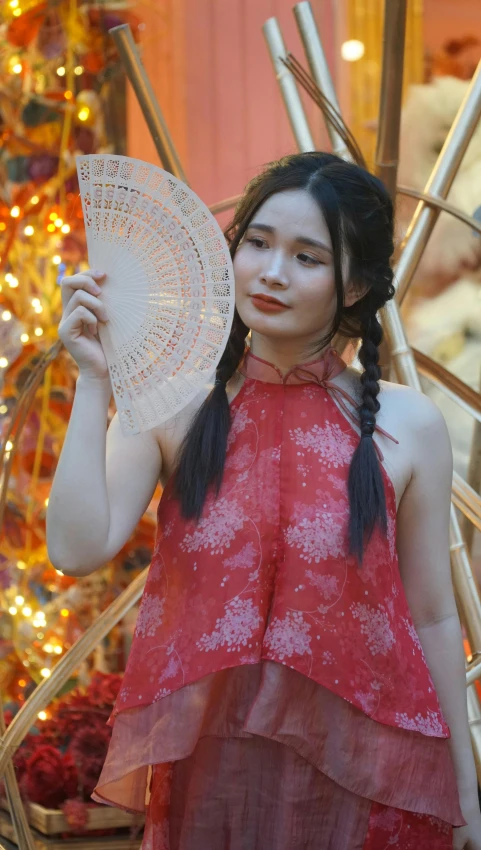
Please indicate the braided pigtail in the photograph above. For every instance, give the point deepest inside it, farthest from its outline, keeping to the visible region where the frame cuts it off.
(203, 450)
(365, 484)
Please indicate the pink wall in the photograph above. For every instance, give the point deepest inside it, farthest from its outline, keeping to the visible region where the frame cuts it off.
(446, 19)
(209, 65)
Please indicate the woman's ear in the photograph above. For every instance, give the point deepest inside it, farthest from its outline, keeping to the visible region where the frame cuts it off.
(355, 290)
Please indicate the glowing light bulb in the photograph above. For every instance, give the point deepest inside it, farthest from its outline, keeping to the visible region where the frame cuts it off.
(42, 715)
(13, 4)
(9, 446)
(58, 650)
(21, 565)
(38, 308)
(53, 216)
(61, 71)
(24, 338)
(6, 315)
(29, 230)
(68, 95)
(51, 228)
(65, 228)
(64, 612)
(45, 672)
(19, 600)
(58, 222)
(48, 647)
(46, 503)
(56, 260)
(3, 409)
(15, 212)
(38, 332)
(17, 68)
(17, 13)
(13, 282)
(34, 200)
(3, 362)
(78, 70)
(35, 302)
(83, 113)
(352, 50)
(26, 611)
(12, 610)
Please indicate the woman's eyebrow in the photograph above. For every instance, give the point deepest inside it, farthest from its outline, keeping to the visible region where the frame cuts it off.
(303, 240)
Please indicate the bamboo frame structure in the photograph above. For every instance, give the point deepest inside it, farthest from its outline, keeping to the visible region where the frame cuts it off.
(467, 593)
(288, 86)
(432, 199)
(159, 131)
(439, 184)
(387, 142)
(318, 65)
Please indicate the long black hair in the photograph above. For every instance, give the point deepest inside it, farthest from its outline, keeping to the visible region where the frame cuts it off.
(358, 213)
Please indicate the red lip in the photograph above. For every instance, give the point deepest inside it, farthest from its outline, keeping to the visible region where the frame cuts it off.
(268, 299)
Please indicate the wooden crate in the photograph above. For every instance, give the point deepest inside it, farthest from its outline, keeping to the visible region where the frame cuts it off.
(52, 821)
(42, 842)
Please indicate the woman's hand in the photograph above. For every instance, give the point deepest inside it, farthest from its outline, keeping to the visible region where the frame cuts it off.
(78, 328)
(469, 837)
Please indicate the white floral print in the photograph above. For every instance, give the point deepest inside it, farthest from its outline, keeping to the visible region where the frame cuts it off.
(318, 533)
(413, 633)
(150, 615)
(428, 725)
(244, 560)
(217, 529)
(375, 626)
(327, 585)
(289, 636)
(328, 441)
(235, 628)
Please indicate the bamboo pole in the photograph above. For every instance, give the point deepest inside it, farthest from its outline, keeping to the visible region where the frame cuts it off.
(474, 478)
(387, 144)
(122, 35)
(465, 586)
(318, 66)
(20, 823)
(46, 691)
(288, 87)
(439, 184)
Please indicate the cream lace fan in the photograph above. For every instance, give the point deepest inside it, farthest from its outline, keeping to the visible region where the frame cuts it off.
(169, 290)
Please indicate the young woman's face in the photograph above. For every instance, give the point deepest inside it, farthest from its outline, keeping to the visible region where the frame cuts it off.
(286, 255)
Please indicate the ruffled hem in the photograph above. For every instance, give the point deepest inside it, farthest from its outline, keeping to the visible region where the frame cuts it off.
(391, 766)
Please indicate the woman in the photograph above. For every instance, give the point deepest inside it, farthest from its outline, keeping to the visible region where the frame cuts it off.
(296, 666)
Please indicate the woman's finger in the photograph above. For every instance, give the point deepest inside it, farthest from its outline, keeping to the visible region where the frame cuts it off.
(81, 297)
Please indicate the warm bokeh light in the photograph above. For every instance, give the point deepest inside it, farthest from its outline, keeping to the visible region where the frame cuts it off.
(56, 260)
(27, 611)
(38, 331)
(34, 200)
(9, 446)
(83, 113)
(12, 610)
(19, 600)
(29, 230)
(6, 315)
(78, 70)
(24, 338)
(61, 71)
(352, 50)
(65, 228)
(42, 715)
(64, 612)
(45, 672)
(15, 212)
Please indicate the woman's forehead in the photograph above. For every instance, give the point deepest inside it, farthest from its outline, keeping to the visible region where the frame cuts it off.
(292, 213)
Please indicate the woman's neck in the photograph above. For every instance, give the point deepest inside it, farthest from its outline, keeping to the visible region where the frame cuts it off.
(284, 354)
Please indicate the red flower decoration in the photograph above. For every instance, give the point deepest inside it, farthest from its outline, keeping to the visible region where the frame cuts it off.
(76, 815)
(50, 777)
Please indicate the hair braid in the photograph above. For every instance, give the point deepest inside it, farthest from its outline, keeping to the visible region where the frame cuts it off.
(365, 484)
(203, 451)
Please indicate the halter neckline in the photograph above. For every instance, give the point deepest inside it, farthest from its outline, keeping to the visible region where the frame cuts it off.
(320, 371)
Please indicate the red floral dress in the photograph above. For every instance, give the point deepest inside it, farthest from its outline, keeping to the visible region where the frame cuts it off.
(276, 695)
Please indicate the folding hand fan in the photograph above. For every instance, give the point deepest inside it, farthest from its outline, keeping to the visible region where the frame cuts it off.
(169, 290)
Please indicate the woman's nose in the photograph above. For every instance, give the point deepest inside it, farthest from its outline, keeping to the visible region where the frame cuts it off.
(274, 272)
